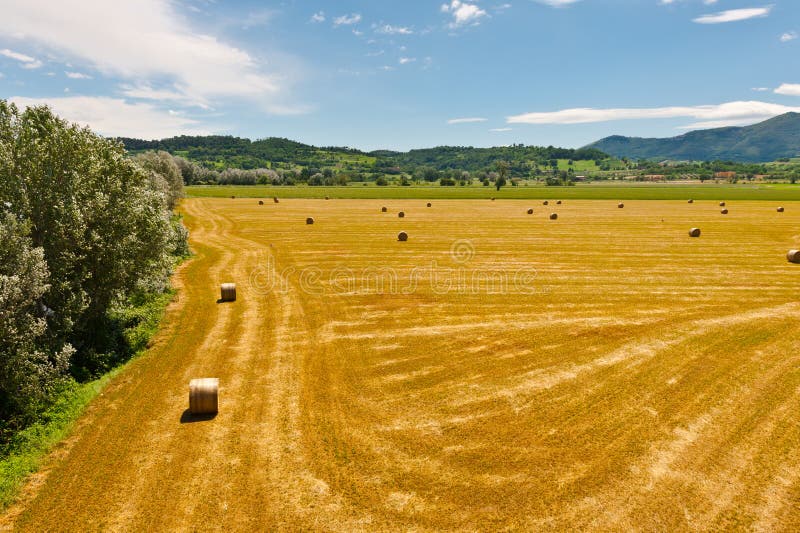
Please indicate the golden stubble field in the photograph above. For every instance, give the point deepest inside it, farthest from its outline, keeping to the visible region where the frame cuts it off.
(497, 371)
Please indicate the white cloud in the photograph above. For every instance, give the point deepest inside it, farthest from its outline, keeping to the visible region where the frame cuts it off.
(500, 130)
(788, 36)
(727, 114)
(463, 13)
(733, 15)
(78, 76)
(388, 29)
(318, 17)
(27, 61)
(115, 117)
(144, 41)
(760, 89)
(466, 120)
(347, 20)
(789, 89)
(405, 60)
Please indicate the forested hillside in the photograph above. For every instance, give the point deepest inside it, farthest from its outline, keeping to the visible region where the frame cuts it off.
(770, 140)
(220, 153)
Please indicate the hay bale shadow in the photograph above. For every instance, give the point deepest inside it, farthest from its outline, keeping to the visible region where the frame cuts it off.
(188, 418)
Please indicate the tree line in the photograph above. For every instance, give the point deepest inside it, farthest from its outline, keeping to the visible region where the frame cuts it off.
(86, 233)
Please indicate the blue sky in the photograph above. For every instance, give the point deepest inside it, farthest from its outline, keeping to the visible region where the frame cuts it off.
(387, 74)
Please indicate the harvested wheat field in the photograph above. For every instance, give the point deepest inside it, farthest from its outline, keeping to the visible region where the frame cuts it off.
(496, 371)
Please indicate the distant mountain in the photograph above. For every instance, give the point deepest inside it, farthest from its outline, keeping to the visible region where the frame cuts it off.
(772, 139)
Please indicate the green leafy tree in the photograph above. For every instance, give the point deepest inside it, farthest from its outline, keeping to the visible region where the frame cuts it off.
(28, 371)
(104, 230)
(502, 174)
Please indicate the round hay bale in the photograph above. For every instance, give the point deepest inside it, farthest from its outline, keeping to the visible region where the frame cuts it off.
(204, 396)
(545, 203)
(553, 216)
(309, 221)
(327, 198)
(401, 215)
(233, 198)
(530, 211)
(383, 210)
(722, 204)
(276, 200)
(620, 205)
(493, 199)
(558, 202)
(690, 201)
(793, 256)
(402, 236)
(429, 204)
(724, 211)
(694, 232)
(261, 202)
(227, 292)
(780, 210)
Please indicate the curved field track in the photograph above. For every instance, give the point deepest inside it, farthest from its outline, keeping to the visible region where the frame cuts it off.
(499, 370)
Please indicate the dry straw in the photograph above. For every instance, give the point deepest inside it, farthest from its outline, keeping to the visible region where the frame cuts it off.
(204, 396)
(694, 232)
(227, 292)
(309, 221)
(402, 236)
(793, 256)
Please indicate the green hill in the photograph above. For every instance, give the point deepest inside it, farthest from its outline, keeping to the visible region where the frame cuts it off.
(770, 140)
(221, 152)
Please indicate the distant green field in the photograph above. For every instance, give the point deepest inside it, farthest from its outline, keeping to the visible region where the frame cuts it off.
(578, 166)
(625, 191)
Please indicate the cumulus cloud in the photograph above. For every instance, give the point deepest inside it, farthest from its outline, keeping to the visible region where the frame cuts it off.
(463, 13)
(708, 116)
(388, 29)
(500, 130)
(733, 15)
(467, 120)
(27, 61)
(405, 60)
(789, 89)
(146, 41)
(77, 76)
(788, 36)
(347, 20)
(318, 17)
(114, 117)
